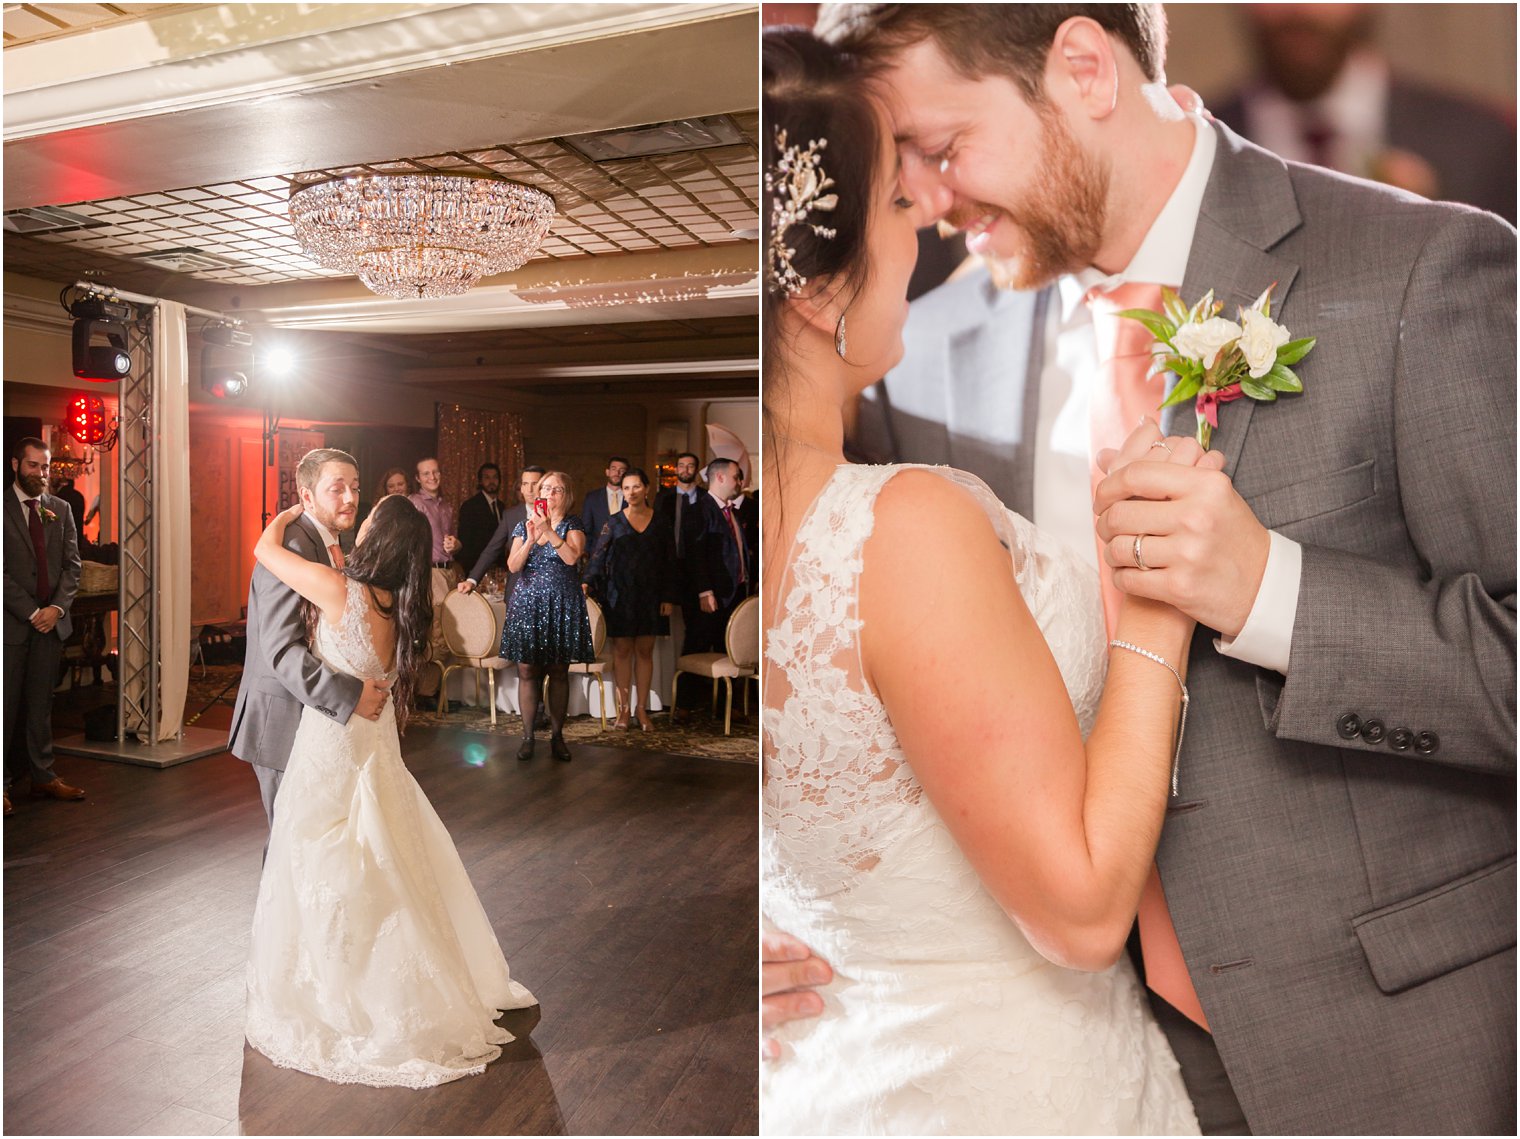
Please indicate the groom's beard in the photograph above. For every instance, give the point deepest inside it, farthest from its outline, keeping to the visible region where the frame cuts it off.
(1060, 219)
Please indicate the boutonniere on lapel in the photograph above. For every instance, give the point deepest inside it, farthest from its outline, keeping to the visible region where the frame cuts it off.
(47, 515)
(1218, 360)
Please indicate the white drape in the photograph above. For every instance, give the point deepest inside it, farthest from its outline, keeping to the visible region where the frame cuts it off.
(171, 503)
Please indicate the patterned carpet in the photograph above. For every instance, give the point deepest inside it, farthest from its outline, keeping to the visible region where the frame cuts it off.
(702, 736)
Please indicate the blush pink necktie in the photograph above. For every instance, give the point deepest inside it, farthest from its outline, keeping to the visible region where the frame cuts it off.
(1122, 396)
(336, 555)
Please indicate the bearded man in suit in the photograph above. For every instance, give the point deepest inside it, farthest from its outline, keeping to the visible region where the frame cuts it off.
(1330, 941)
(41, 578)
(281, 675)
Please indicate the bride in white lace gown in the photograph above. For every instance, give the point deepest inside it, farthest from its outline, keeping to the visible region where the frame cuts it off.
(957, 818)
(372, 959)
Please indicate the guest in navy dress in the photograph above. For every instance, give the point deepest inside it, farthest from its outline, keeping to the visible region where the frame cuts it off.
(547, 628)
(630, 577)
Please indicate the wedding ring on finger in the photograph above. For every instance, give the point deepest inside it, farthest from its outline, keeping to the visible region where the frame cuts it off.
(1162, 444)
(1139, 560)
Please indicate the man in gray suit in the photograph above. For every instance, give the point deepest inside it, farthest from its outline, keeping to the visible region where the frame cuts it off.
(281, 674)
(1339, 863)
(41, 578)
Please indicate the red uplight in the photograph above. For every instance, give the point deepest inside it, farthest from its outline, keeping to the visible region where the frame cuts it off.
(86, 419)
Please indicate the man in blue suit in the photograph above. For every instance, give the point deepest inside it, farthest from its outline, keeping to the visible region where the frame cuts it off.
(720, 560)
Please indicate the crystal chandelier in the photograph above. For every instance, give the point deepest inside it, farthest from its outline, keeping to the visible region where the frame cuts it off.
(411, 236)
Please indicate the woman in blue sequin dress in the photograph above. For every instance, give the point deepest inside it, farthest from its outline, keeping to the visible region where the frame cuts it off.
(547, 628)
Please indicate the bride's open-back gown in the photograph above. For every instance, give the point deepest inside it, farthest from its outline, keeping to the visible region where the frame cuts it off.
(372, 960)
(941, 1019)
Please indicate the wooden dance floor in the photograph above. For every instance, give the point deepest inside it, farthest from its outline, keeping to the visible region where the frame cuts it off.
(622, 887)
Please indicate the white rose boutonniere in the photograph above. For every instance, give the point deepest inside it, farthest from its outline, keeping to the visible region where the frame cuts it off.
(1218, 360)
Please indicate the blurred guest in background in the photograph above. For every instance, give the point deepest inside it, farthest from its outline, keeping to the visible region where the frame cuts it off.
(65, 490)
(41, 579)
(673, 502)
(394, 481)
(629, 575)
(479, 515)
(439, 513)
(494, 556)
(602, 503)
(547, 628)
(1324, 94)
(747, 511)
(721, 562)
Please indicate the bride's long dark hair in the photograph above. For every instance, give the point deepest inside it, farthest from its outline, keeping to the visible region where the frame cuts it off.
(813, 90)
(394, 556)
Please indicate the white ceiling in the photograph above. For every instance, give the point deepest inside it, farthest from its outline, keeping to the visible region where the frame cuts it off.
(174, 120)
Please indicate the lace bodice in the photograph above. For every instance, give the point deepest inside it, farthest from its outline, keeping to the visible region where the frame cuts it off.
(348, 646)
(838, 790)
(941, 1019)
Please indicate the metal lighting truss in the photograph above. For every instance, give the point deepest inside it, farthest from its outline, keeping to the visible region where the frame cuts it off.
(137, 608)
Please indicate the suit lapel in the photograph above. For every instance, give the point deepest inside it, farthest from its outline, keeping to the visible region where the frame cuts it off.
(1248, 207)
(307, 525)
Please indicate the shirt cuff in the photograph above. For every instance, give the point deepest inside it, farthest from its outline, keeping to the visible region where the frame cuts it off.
(1266, 639)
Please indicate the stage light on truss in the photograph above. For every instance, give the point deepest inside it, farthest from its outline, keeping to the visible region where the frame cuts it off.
(101, 363)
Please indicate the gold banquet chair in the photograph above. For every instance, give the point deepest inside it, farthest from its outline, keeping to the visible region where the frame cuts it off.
(472, 635)
(436, 654)
(739, 662)
(597, 667)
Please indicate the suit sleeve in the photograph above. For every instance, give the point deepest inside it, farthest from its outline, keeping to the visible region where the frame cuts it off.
(597, 567)
(1433, 651)
(493, 548)
(290, 658)
(700, 549)
(68, 580)
(19, 602)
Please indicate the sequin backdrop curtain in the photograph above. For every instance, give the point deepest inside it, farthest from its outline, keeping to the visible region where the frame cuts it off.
(467, 437)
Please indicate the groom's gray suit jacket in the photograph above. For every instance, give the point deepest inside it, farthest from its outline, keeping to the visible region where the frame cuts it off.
(280, 672)
(1346, 904)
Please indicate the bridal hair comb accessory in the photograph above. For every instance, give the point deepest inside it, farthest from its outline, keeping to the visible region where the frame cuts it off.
(796, 185)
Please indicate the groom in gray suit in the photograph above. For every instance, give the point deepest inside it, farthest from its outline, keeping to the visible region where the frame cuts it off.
(281, 675)
(1339, 863)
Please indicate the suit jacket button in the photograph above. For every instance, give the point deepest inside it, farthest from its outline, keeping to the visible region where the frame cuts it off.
(1372, 731)
(1400, 739)
(1427, 743)
(1348, 726)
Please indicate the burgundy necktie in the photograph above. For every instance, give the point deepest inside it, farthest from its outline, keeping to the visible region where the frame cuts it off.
(39, 547)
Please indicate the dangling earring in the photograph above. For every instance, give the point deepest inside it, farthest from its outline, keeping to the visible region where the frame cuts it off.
(839, 341)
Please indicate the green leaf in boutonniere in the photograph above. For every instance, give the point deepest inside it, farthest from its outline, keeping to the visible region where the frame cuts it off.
(1187, 388)
(1283, 379)
(1217, 361)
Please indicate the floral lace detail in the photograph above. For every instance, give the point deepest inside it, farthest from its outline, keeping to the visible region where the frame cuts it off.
(941, 1018)
(348, 646)
(372, 960)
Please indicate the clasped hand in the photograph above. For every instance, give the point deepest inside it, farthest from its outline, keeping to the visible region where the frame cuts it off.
(1203, 549)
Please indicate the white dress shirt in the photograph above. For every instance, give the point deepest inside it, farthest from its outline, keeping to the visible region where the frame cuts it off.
(1062, 504)
(329, 539)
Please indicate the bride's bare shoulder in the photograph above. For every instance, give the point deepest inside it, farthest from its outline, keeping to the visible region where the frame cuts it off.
(916, 497)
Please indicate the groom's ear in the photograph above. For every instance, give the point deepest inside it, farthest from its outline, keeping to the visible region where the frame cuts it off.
(1082, 71)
